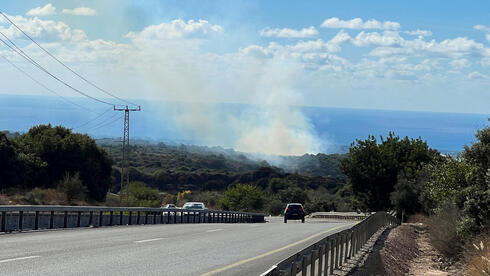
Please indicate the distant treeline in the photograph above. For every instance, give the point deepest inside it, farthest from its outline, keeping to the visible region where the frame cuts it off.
(175, 168)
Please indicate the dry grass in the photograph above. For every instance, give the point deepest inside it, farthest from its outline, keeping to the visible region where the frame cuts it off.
(443, 234)
(478, 256)
(418, 218)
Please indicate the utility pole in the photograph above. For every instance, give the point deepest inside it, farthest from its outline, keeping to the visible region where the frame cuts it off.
(125, 146)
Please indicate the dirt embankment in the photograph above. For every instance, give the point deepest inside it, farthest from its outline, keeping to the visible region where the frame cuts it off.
(405, 250)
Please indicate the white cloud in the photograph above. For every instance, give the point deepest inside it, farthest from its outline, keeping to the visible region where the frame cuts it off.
(419, 32)
(81, 11)
(48, 9)
(481, 28)
(460, 63)
(485, 62)
(177, 29)
(477, 76)
(289, 33)
(43, 30)
(387, 38)
(358, 23)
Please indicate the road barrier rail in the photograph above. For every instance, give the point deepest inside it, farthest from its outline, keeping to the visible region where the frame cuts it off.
(332, 252)
(37, 217)
(339, 215)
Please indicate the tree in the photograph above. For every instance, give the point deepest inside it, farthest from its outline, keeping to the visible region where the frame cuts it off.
(73, 187)
(9, 163)
(293, 195)
(242, 197)
(65, 152)
(407, 193)
(474, 200)
(372, 169)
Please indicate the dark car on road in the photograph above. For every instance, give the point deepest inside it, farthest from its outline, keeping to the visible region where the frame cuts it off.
(294, 211)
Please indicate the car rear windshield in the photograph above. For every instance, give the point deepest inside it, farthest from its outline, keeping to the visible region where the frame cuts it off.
(295, 206)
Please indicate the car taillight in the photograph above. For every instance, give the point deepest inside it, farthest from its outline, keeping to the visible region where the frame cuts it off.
(287, 209)
(301, 209)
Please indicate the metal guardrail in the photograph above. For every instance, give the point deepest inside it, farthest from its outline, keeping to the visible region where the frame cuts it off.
(340, 215)
(35, 217)
(330, 253)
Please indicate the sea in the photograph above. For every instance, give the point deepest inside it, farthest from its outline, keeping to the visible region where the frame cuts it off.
(339, 127)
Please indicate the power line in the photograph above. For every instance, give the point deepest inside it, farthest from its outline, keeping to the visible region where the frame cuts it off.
(33, 62)
(44, 86)
(66, 66)
(109, 123)
(94, 119)
(102, 122)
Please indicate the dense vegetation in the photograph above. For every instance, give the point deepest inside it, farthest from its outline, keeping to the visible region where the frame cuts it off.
(408, 176)
(43, 156)
(61, 164)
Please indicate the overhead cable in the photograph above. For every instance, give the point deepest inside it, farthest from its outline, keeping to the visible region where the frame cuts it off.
(33, 62)
(44, 86)
(64, 65)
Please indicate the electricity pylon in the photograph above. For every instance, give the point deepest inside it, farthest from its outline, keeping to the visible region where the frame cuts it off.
(125, 145)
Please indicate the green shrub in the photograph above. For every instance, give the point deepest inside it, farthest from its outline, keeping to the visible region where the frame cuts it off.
(138, 194)
(242, 197)
(275, 207)
(73, 187)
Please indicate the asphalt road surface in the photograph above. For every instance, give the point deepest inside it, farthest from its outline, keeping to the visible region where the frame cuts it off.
(180, 249)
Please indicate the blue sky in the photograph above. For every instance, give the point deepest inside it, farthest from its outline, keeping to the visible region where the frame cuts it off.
(384, 69)
(387, 55)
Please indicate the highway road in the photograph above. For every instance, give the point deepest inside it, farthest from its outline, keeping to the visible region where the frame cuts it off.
(180, 249)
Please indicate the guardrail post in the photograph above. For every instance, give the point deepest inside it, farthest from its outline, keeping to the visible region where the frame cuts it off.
(168, 217)
(294, 268)
(161, 218)
(51, 220)
(111, 214)
(36, 221)
(341, 249)
(90, 218)
(146, 217)
(314, 257)
(130, 218)
(65, 220)
(4, 222)
(348, 246)
(304, 265)
(138, 218)
(333, 242)
(154, 218)
(79, 217)
(101, 218)
(321, 252)
(21, 219)
(120, 217)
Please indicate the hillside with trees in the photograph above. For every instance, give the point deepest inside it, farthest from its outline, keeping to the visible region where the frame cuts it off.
(53, 165)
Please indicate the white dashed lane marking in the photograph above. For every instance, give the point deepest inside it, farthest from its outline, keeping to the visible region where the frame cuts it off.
(150, 240)
(213, 230)
(19, 259)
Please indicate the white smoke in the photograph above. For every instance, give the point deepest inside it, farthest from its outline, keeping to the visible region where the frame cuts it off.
(273, 122)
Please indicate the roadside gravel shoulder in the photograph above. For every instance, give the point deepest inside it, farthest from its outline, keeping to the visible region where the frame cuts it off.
(404, 250)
